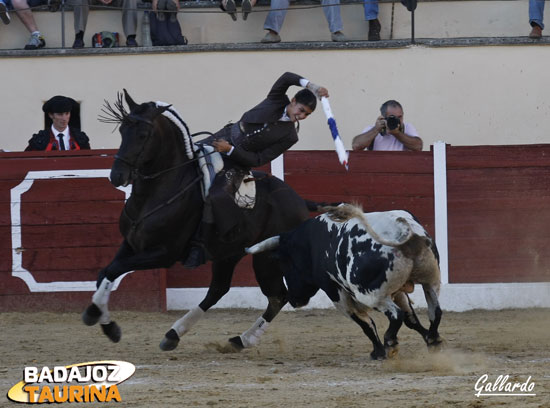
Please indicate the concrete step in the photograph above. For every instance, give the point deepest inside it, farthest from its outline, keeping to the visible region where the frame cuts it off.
(204, 23)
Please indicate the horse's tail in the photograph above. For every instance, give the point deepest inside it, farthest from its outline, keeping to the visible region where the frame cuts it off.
(320, 206)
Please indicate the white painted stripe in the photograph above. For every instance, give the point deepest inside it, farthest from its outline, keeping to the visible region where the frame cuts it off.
(440, 208)
(17, 252)
(457, 297)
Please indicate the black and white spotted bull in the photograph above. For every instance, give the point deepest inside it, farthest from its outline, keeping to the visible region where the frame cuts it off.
(363, 261)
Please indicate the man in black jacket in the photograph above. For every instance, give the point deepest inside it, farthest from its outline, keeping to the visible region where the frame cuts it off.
(263, 133)
(62, 127)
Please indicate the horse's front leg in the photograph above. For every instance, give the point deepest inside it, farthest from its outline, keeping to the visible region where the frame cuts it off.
(125, 260)
(222, 274)
(270, 279)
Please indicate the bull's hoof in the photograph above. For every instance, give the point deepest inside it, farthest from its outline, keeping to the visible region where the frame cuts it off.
(392, 351)
(112, 330)
(170, 340)
(435, 344)
(236, 343)
(379, 354)
(91, 315)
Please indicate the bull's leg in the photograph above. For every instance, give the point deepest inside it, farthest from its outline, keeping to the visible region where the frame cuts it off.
(369, 328)
(269, 277)
(395, 315)
(410, 319)
(124, 261)
(222, 273)
(434, 313)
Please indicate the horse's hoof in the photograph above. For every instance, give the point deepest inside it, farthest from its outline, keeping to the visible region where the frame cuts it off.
(112, 330)
(236, 343)
(91, 315)
(170, 340)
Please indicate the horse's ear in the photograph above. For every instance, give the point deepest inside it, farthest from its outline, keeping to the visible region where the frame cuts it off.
(129, 100)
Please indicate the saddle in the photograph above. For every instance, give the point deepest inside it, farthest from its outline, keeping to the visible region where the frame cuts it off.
(211, 163)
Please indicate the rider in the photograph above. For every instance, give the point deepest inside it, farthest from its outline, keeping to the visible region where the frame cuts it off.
(263, 133)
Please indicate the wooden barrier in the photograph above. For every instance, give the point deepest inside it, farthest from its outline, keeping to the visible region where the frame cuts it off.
(59, 218)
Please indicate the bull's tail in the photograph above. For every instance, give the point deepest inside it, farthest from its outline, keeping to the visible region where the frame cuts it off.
(345, 212)
(265, 245)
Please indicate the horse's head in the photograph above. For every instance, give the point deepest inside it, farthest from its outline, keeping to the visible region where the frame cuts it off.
(138, 147)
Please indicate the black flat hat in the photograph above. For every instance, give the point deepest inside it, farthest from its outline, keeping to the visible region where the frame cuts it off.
(59, 104)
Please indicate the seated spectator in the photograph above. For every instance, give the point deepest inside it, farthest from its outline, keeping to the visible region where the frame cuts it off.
(62, 127)
(370, 8)
(536, 15)
(24, 12)
(230, 8)
(389, 132)
(276, 17)
(129, 19)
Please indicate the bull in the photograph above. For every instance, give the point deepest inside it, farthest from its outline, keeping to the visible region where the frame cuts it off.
(363, 262)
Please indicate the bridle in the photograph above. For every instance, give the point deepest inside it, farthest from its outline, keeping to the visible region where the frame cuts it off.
(135, 172)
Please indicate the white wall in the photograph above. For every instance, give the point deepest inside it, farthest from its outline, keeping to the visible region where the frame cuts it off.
(462, 95)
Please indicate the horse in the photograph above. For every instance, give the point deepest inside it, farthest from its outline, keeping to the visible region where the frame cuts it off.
(159, 219)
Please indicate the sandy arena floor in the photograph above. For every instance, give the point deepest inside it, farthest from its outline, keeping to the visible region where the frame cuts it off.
(308, 358)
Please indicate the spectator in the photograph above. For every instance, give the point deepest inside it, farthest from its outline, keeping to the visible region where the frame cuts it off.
(24, 12)
(370, 8)
(276, 16)
(389, 132)
(129, 19)
(536, 15)
(230, 8)
(62, 127)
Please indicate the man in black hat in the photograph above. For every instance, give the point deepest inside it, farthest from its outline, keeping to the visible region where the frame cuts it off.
(62, 127)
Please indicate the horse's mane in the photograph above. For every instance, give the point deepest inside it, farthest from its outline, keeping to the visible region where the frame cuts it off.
(113, 114)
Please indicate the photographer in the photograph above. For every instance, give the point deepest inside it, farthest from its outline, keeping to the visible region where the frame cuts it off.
(389, 132)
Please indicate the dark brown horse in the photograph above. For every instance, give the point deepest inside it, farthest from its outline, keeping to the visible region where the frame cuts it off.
(165, 209)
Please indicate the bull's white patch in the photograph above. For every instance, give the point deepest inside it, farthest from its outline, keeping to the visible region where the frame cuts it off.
(503, 386)
(94, 381)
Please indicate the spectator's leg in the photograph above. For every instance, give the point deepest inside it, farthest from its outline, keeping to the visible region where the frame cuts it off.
(247, 7)
(81, 10)
(24, 12)
(331, 8)
(536, 15)
(371, 15)
(129, 21)
(274, 20)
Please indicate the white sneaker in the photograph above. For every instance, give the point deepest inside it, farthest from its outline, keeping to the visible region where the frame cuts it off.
(4, 15)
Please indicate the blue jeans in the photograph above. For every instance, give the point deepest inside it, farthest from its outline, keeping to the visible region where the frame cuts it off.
(536, 12)
(275, 18)
(371, 9)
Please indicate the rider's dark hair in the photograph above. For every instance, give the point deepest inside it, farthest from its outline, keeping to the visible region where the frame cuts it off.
(306, 98)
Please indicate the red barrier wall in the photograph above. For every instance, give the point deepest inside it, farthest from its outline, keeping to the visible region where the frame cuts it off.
(497, 219)
(68, 231)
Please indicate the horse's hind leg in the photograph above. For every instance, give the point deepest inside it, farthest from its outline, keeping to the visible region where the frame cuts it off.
(269, 277)
(222, 273)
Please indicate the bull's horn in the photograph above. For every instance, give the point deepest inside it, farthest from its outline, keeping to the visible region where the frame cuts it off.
(265, 245)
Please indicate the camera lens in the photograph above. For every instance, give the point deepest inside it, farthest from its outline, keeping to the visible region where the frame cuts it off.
(393, 122)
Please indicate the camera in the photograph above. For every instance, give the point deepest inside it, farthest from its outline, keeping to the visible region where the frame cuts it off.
(393, 122)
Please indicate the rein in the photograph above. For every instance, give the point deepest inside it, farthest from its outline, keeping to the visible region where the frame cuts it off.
(164, 204)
